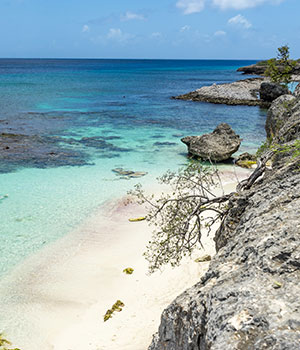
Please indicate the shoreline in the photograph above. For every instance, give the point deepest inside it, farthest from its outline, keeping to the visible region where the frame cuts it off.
(57, 311)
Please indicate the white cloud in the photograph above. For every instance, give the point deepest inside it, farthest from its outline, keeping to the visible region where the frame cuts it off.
(242, 4)
(117, 35)
(185, 28)
(240, 20)
(129, 16)
(85, 28)
(193, 6)
(190, 6)
(156, 35)
(220, 33)
(114, 33)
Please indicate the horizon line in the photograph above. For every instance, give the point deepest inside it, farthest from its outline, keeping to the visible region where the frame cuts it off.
(133, 59)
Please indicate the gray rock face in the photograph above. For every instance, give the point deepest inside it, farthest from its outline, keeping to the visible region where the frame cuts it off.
(270, 91)
(283, 118)
(249, 298)
(216, 146)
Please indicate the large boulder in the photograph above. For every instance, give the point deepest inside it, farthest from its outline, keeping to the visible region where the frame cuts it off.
(216, 146)
(270, 91)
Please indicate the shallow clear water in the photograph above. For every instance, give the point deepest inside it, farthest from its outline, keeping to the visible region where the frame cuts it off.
(98, 115)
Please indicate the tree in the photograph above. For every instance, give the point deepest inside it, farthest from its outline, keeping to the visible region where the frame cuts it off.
(181, 215)
(280, 69)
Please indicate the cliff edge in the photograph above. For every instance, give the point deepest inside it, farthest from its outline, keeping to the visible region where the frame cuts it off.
(249, 298)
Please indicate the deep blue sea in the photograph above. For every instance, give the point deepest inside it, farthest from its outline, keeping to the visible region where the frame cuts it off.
(76, 120)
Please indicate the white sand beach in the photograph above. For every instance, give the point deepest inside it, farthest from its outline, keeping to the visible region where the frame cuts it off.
(58, 297)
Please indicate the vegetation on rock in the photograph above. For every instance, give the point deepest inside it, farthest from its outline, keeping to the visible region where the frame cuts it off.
(180, 216)
(280, 69)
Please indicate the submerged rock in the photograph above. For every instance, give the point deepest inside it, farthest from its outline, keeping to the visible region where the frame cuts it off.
(128, 174)
(216, 146)
(270, 91)
(166, 143)
(18, 150)
(43, 151)
(101, 144)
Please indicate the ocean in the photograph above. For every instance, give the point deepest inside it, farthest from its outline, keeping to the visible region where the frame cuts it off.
(75, 121)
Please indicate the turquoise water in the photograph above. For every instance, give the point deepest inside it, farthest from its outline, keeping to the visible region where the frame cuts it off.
(92, 116)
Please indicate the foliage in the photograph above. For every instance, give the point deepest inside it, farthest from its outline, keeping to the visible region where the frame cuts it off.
(180, 216)
(261, 63)
(280, 69)
(5, 344)
(265, 146)
(116, 307)
(293, 148)
(128, 271)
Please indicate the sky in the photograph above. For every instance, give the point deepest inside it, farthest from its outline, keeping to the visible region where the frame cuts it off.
(175, 29)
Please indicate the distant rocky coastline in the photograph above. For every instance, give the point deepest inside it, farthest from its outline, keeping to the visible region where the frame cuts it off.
(242, 92)
(249, 298)
(260, 67)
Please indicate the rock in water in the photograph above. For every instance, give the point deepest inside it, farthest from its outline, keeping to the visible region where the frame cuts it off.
(216, 146)
(270, 91)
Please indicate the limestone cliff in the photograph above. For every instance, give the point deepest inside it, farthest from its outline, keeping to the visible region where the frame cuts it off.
(250, 297)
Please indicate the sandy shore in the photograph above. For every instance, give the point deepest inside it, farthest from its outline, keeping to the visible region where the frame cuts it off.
(57, 298)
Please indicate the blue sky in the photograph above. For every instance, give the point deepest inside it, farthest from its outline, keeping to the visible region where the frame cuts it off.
(197, 29)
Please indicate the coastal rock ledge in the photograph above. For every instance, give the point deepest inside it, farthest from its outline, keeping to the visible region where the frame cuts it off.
(216, 146)
(249, 298)
(242, 92)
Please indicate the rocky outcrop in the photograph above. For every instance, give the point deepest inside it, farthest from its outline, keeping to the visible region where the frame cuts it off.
(216, 146)
(270, 91)
(243, 92)
(249, 298)
(257, 69)
(283, 119)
